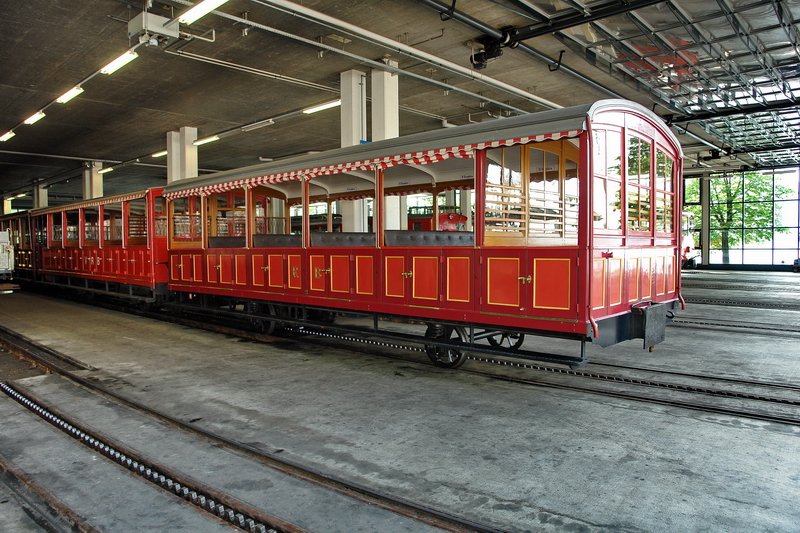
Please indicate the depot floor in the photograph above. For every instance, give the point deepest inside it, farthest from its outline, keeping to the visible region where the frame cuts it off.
(516, 457)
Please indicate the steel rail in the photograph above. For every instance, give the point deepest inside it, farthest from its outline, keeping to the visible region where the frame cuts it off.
(401, 506)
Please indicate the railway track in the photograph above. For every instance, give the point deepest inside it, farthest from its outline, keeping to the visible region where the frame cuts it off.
(769, 402)
(736, 325)
(204, 497)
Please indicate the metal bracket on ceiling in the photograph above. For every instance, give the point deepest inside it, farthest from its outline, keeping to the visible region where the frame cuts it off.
(447, 15)
(557, 65)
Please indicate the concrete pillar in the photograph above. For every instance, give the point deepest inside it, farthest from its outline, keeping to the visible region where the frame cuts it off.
(92, 180)
(386, 125)
(6, 206)
(465, 203)
(40, 198)
(705, 220)
(181, 154)
(353, 131)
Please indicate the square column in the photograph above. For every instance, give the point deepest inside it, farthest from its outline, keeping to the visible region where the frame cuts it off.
(386, 125)
(353, 131)
(92, 180)
(5, 206)
(181, 154)
(40, 198)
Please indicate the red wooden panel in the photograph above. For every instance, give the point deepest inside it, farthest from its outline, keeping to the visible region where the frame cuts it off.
(661, 277)
(365, 274)
(552, 277)
(614, 281)
(226, 269)
(646, 278)
(174, 267)
(295, 270)
(395, 286)
(316, 266)
(632, 279)
(276, 277)
(186, 267)
(240, 269)
(197, 267)
(259, 270)
(598, 283)
(212, 268)
(459, 286)
(502, 285)
(670, 263)
(340, 273)
(425, 278)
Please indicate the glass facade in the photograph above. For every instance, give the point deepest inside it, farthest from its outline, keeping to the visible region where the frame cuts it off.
(754, 217)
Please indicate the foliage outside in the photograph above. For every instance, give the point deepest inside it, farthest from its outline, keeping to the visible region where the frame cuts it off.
(741, 209)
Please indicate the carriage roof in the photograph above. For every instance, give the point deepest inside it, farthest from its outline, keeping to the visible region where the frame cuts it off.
(557, 123)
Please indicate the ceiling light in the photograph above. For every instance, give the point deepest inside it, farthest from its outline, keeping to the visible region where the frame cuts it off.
(162, 153)
(256, 125)
(69, 95)
(21, 195)
(105, 170)
(119, 62)
(6, 136)
(199, 10)
(33, 119)
(322, 107)
(206, 140)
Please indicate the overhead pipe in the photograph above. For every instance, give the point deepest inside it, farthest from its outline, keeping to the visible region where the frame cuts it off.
(316, 16)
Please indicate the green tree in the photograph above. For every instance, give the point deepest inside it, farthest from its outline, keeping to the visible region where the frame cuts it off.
(742, 210)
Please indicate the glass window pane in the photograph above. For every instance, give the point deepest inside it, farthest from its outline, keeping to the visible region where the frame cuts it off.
(614, 154)
(786, 213)
(784, 237)
(758, 215)
(786, 185)
(728, 215)
(112, 223)
(505, 198)
(757, 257)
(691, 191)
(72, 227)
(784, 257)
(137, 221)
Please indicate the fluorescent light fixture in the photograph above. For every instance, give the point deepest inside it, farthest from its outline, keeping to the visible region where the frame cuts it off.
(200, 9)
(21, 195)
(256, 125)
(322, 107)
(6, 136)
(206, 140)
(119, 62)
(33, 119)
(69, 95)
(105, 170)
(162, 153)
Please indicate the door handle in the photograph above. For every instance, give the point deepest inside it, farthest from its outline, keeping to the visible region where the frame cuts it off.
(407, 274)
(524, 279)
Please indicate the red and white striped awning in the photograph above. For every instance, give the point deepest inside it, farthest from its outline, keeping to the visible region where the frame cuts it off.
(411, 158)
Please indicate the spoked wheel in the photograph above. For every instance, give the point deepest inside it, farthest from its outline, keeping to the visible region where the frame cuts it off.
(264, 325)
(440, 355)
(507, 339)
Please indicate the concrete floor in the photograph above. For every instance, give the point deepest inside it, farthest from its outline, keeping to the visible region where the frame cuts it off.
(521, 458)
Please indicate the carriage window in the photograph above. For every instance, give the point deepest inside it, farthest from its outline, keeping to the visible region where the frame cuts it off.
(607, 186)
(24, 232)
(186, 220)
(56, 235)
(112, 223)
(638, 184)
(430, 204)
(72, 220)
(137, 221)
(553, 189)
(665, 194)
(269, 213)
(41, 230)
(505, 196)
(91, 225)
(160, 205)
(226, 219)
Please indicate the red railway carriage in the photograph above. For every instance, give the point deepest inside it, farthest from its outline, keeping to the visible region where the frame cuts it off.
(115, 244)
(570, 230)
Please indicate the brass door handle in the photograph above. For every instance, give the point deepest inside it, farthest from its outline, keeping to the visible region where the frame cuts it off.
(524, 279)
(407, 274)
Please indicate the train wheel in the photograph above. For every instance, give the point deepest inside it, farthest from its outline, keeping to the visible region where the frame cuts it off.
(441, 356)
(507, 340)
